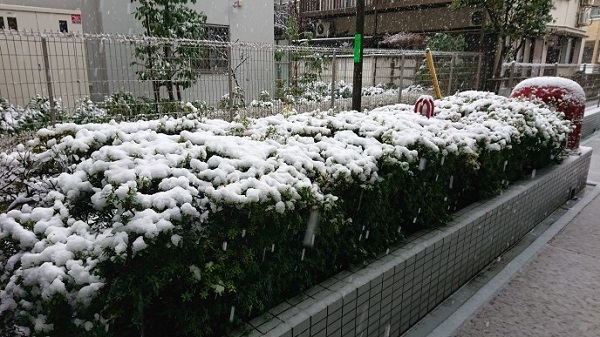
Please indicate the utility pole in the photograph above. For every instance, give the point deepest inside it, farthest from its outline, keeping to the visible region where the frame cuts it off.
(358, 55)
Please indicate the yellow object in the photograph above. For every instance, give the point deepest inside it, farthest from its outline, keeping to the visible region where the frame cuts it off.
(436, 85)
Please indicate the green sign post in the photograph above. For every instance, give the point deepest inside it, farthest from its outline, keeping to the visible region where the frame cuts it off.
(358, 56)
(357, 48)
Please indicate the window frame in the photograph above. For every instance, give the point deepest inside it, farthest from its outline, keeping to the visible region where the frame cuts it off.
(60, 29)
(8, 23)
(217, 60)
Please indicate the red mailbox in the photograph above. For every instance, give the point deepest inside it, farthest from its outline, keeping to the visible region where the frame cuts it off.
(565, 95)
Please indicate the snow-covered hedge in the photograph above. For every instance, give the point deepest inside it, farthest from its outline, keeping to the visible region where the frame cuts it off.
(190, 226)
(14, 119)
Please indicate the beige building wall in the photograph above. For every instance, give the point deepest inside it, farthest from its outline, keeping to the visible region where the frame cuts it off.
(23, 60)
(566, 43)
(591, 52)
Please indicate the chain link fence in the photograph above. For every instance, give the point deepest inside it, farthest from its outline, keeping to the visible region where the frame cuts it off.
(222, 79)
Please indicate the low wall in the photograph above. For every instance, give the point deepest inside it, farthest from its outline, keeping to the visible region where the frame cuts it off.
(393, 293)
(591, 124)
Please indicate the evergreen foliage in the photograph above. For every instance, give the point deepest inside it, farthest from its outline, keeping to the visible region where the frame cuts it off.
(190, 226)
(168, 63)
(512, 21)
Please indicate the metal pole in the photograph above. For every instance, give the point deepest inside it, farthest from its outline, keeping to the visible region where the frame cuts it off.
(48, 79)
(374, 69)
(478, 72)
(230, 82)
(452, 61)
(333, 79)
(511, 75)
(358, 56)
(401, 86)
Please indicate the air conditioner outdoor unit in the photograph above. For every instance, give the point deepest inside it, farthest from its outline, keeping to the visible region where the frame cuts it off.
(322, 29)
(584, 18)
(587, 3)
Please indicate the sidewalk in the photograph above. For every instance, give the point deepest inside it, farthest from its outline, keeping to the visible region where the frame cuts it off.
(557, 293)
(550, 286)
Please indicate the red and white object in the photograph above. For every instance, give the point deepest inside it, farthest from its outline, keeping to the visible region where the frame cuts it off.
(563, 94)
(425, 106)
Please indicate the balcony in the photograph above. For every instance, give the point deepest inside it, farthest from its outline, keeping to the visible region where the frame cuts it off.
(320, 8)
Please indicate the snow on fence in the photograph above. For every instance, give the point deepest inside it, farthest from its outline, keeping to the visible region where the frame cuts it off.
(226, 78)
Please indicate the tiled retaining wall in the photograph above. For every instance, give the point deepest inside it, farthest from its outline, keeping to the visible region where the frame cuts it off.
(393, 293)
(590, 124)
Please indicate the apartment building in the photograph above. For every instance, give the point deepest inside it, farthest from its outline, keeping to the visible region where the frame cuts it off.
(591, 50)
(335, 19)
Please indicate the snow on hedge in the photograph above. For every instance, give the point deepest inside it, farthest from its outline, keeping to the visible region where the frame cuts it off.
(12, 118)
(198, 165)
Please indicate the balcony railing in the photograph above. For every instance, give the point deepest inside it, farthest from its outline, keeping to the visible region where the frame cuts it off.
(340, 6)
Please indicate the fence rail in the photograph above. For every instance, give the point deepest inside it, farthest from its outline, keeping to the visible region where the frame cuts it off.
(320, 6)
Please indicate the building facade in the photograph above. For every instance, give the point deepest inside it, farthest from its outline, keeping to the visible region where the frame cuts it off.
(248, 21)
(107, 62)
(332, 20)
(591, 51)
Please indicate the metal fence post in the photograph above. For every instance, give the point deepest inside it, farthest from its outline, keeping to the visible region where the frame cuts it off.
(556, 69)
(511, 74)
(452, 61)
(230, 82)
(333, 79)
(374, 69)
(478, 72)
(400, 86)
(49, 80)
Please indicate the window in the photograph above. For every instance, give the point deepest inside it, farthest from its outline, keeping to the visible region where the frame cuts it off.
(62, 26)
(595, 12)
(588, 52)
(12, 23)
(213, 57)
(1, 23)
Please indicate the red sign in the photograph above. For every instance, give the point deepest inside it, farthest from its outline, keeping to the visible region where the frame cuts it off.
(76, 18)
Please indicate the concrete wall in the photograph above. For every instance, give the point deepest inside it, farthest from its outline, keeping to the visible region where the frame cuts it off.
(250, 22)
(253, 22)
(41, 19)
(565, 13)
(591, 124)
(22, 61)
(62, 4)
(395, 292)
